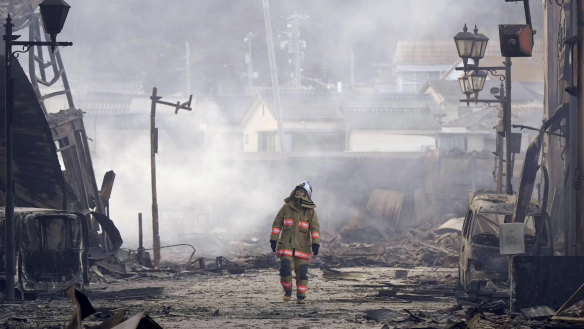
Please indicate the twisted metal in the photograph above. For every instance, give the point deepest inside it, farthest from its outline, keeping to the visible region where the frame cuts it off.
(494, 73)
(24, 50)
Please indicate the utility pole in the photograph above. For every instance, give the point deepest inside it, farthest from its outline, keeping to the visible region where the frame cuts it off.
(153, 150)
(249, 59)
(188, 67)
(273, 72)
(352, 66)
(296, 47)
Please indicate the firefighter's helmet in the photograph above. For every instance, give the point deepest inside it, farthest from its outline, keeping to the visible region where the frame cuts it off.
(306, 186)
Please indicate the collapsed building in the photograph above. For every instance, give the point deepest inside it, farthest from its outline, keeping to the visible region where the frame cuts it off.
(60, 214)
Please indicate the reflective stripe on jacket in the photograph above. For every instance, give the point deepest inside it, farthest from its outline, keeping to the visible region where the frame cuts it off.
(296, 228)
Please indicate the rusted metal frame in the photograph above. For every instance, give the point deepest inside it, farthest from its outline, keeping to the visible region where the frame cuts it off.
(82, 137)
(53, 80)
(53, 94)
(63, 75)
(33, 60)
(530, 167)
(73, 170)
(536, 129)
(85, 243)
(527, 180)
(55, 62)
(82, 161)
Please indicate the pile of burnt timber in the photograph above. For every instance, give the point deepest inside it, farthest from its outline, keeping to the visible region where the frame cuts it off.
(418, 246)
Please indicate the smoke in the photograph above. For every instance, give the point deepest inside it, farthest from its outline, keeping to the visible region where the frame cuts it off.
(146, 40)
(199, 192)
(205, 188)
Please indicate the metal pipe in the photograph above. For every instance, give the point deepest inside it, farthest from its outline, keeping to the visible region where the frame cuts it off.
(10, 257)
(499, 148)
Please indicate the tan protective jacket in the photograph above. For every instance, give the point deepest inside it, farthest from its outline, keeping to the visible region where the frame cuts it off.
(296, 228)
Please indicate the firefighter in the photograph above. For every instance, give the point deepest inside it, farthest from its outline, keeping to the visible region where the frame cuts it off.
(295, 238)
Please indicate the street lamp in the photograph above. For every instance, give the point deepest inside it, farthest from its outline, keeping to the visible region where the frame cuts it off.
(473, 46)
(477, 81)
(479, 47)
(53, 13)
(464, 43)
(465, 86)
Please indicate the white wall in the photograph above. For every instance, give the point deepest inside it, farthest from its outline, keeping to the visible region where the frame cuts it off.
(261, 120)
(475, 143)
(388, 141)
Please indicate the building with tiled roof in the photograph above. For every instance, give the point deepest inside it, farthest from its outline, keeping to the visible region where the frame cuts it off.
(416, 62)
(391, 122)
(311, 121)
(348, 121)
(447, 95)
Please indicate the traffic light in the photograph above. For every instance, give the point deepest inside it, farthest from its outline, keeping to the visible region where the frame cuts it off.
(516, 40)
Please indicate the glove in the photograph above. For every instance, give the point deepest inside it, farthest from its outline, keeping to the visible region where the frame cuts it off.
(315, 249)
(273, 244)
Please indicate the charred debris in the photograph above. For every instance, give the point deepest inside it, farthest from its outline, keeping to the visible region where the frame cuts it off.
(59, 215)
(498, 278)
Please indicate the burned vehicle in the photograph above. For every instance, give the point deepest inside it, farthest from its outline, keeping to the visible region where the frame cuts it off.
(51, 249)
(480, 257)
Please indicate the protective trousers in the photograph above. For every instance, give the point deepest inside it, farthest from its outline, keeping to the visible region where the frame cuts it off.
(300, 266)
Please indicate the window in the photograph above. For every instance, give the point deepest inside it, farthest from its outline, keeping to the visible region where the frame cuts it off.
(486, 228)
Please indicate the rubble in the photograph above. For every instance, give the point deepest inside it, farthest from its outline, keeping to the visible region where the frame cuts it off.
(404, 280)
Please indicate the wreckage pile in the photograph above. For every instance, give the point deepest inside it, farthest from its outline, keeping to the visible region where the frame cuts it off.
(423, 245)
(369, 244)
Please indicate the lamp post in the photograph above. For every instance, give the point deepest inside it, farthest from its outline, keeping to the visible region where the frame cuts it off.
(53, 13)
(473, 46)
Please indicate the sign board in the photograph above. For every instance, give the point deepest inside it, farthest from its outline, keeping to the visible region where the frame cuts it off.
(516, 40)
(512, 241)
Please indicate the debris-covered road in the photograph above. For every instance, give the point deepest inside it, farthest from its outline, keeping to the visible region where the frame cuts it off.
(405, 280)
(344, 298)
